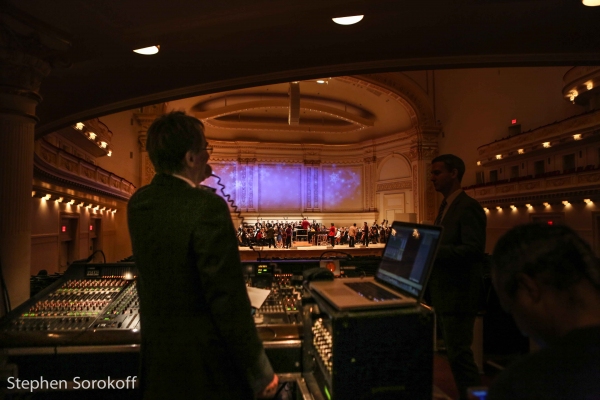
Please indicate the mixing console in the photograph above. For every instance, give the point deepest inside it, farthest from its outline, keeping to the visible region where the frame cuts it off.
(77, 304)
(283, 303)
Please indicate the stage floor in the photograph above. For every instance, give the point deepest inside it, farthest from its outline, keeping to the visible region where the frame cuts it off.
(304, 251)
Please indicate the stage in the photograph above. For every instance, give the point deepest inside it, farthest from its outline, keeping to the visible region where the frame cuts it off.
(304, 250)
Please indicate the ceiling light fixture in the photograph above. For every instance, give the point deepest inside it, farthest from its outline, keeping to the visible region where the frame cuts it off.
(591, 3)
(148, 51)
(348, 20)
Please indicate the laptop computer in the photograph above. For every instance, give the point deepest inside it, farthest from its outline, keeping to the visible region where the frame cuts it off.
(401, 277)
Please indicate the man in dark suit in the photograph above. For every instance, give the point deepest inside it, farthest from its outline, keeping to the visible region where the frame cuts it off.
(198, 337)
(455, 281)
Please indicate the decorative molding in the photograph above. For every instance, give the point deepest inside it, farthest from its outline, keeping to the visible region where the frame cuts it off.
(56, 164)
(415, 170)
(588, 178)
(142, 141)
(401, 89)
(430, 196)
(394, 185)
(529, 185)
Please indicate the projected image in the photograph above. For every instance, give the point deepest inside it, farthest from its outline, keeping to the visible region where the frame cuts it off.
(280, 187)
(342, 189)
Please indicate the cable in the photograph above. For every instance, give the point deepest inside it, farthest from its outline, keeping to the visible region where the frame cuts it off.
(230, 201)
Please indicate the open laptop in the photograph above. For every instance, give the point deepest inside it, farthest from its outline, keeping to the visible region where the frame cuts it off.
(401, 277)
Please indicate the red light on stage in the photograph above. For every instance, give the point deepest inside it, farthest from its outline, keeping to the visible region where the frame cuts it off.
(91, 227)
(63, 229)
(550, 222)
(514, 121)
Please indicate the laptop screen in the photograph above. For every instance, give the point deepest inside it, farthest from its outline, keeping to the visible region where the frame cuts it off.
(408, 256)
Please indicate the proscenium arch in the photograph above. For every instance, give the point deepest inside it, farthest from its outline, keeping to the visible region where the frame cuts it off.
(403, 90)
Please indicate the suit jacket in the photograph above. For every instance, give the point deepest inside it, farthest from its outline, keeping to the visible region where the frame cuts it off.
(455, 281)
(198, 337)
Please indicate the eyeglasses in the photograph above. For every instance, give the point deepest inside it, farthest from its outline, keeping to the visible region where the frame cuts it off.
(209, 149)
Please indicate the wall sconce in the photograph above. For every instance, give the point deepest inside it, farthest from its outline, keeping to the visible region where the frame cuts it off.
(72, 202)
(566, 203)
(103, 144)
(498, 156)
(546, 204)
(499, 208)
(478, 163)
(546, 145)
(92, 135)
(486, 209)
(96, 208)
(60, 199)
(573, 94)
(114, 211)
(79, 126)
(587, 201)
(89, 206)
(47, 197)
(589, 85)
(513, 206)
(33, 193)
(577, 136)
(80, 204)
(521, 151)
(103, 208)
(109, 153)
(528, 206)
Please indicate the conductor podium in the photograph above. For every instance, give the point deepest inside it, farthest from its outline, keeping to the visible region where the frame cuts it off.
(375, 354)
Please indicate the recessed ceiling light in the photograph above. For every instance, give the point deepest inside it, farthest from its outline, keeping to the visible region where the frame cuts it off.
(591, 3)
(348, 20)
(148, 51)
(320, 81)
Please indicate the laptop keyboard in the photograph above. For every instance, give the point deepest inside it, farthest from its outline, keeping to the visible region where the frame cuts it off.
(371, 291)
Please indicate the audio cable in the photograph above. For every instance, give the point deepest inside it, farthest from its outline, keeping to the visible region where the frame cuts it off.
(235, 209)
